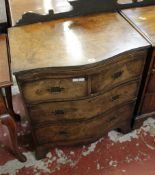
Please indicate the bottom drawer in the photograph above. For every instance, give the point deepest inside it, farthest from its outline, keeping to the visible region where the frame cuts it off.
(148, 103)
(77, 132)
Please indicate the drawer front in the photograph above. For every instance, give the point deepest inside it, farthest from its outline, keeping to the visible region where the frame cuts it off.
(148, 104)
(83, 109)
(120, 72)
(77, 132)
(55, 89)
(151, 84)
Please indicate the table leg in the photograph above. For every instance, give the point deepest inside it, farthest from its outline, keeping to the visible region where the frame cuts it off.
(8, 121)
(9, 103)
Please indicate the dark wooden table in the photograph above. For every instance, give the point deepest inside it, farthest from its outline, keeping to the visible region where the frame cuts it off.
(7, 115)
(21, 12)
(16, 9)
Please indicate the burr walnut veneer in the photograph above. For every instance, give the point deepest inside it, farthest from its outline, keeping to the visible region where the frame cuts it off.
(143, 19)
(78, 77)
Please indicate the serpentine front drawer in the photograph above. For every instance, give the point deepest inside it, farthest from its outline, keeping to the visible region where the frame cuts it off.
(64, 133)
(75, 75)
(101, 78)
(83, 109)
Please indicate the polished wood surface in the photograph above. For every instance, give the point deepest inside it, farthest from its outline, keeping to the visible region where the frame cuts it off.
(20, 7)
(26, 12)
(5, 79)
(8, 121)
(72, 42)
(79, 110)
(81, 132)
(56, 87)
(151, 84)
(77, 70)
(143, 18)
(7, 113)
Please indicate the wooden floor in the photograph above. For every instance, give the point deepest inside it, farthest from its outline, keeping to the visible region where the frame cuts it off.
(114, 154)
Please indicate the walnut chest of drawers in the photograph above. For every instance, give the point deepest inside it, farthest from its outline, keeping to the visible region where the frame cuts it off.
(144, 20)
(78, 77)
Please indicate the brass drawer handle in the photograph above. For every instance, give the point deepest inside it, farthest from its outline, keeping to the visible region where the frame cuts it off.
(64, 133)
(55, 89)
(153, 71)
(116, 97)
(58, 112)
(117, 74)
(112, 118)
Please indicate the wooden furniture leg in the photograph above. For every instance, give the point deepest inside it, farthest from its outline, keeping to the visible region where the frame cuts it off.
(9, 103)
(8, 121)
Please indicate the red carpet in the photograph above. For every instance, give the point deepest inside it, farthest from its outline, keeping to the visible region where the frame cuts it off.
(114, 154)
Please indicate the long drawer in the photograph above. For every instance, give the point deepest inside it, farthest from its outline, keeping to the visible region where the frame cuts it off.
(83, 109)
(76, 132)
(102, 78)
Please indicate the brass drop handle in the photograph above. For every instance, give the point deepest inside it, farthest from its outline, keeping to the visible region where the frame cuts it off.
(116, 97)
(64, 133)
(117, 74)
(56, 89)
(58, 112)
(153, 71)
(112, 118)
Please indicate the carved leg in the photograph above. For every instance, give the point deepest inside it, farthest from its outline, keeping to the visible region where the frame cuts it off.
(8, 121)
(9, 103)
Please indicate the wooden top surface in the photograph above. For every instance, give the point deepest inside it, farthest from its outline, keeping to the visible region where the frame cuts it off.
(3, 18)
(19, 7)
(5, 79)
(143, 18)
(72, 42)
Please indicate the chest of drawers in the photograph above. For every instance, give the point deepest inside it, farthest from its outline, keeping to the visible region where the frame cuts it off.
(79, 77)
(144, 20)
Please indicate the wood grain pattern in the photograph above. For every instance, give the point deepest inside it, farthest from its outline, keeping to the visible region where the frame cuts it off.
(151, 83)
(59, 88)
(123, 71)
(83, 109)
(6, 108)
(72, 42)
(73, 133)
(148, 104)
(2, 104)
(143, 18)
(56, 87)
(18, 8)
(5, 79)
(46, 57)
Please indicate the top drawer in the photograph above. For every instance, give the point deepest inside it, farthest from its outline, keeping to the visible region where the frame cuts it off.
(47, 89)
(103, 77)
(130, 67)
